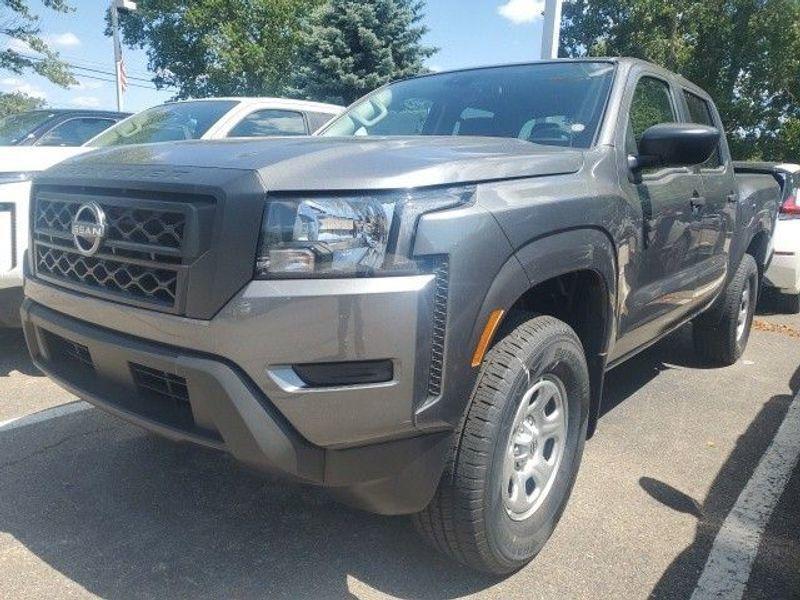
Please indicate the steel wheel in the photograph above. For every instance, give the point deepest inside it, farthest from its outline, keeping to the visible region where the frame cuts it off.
(535, 447)
(744, 310)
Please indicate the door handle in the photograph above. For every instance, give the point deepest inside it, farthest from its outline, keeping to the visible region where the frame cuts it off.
(697, 202)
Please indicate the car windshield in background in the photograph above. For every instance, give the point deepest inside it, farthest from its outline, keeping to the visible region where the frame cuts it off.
(166, 123)
(15, 129)
(559, 104)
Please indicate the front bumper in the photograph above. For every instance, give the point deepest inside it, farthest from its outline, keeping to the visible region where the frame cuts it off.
(210, 401)
(10, 297)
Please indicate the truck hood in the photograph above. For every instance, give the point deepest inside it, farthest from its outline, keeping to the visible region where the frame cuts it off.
(357, 163)
(15, 159)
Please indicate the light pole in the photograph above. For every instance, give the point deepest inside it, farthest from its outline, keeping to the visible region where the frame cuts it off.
(116, 6)
(551, 32)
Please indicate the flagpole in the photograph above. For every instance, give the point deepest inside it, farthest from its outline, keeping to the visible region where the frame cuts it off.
(552, 28)
(117, 51)
(115, 7)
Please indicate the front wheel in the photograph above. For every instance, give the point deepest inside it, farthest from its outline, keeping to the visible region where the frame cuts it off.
(514, 462)
(721, 335)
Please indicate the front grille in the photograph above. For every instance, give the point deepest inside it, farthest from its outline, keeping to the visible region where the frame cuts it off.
(150, 242)
(161, 384)
(149, 232)
(441, 293)
(143, 283)
(67, 351)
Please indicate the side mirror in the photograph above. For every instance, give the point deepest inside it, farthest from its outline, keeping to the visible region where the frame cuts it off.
(675, 145)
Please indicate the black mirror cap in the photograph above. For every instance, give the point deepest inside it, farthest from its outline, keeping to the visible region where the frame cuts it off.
(678, 144)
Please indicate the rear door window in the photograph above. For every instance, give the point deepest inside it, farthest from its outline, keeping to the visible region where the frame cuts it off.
(700, 112)
(269, 123)
(75, 132)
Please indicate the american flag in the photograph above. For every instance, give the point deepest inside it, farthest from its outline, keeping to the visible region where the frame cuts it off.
(123, 74)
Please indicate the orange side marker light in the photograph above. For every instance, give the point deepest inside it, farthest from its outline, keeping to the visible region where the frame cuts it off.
(492, 323)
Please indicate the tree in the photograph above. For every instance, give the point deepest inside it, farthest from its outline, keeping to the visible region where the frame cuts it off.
(745, 53)
(218, 47)
(17, 102)
(350, 47)
(18, 24)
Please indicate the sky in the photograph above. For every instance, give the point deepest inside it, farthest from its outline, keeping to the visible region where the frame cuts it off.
(487, 32)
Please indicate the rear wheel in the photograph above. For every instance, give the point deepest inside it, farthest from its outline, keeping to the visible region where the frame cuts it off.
(514, 463)
(721, 335)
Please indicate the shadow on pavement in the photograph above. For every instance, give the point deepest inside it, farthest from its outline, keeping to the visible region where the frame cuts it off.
(681, 578)
(14, 354)
(127, 515)
(675, 350)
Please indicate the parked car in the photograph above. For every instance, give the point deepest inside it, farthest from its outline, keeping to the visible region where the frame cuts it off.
(415, 308)
(55, 128)
(783, 274)
(195, 119)
(30, 142)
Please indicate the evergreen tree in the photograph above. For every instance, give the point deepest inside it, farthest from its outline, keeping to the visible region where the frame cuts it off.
(351, 47)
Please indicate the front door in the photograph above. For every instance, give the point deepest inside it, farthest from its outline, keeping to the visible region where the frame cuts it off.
(662, 280)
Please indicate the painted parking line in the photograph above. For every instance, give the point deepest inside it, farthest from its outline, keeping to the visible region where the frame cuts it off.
(45, 415)
(727, 570)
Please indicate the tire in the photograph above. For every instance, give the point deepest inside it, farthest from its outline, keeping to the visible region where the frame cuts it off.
(789, 303)
(469, 518)
(721, 335)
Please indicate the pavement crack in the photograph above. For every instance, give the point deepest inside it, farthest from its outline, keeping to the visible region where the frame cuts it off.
(54, 445)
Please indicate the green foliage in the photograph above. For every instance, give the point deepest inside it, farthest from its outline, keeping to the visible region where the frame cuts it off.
(219, 47)
(354, 46)
(17, 102)
(17, 22)
(745, 53)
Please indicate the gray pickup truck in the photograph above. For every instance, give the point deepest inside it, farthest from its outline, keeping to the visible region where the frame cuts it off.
(415, 310)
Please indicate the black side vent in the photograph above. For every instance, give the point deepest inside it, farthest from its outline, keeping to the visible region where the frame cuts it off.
(63, 350)
(439, 326)
(152, 382)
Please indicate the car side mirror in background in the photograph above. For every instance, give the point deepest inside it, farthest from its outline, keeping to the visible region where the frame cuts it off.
(675, 145)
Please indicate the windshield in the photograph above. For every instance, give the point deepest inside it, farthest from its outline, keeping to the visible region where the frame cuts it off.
(558, 104)
(166, 123)
(15, 128)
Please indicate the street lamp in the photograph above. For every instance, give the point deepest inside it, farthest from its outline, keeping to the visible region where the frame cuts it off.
(119, 65)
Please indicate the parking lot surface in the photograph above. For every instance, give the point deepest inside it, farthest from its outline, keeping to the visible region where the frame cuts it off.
(93, 507)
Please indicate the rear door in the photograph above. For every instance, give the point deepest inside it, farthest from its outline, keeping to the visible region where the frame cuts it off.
(717, 217)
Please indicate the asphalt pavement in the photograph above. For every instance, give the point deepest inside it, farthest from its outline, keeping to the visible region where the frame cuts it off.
(93, 507)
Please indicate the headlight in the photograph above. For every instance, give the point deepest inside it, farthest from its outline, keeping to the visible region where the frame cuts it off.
(15, 177)
(346, 235)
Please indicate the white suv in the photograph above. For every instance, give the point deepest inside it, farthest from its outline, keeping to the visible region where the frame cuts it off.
(207, 119)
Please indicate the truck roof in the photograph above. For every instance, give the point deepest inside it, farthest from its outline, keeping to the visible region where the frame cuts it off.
(283, 102)
(617, 60)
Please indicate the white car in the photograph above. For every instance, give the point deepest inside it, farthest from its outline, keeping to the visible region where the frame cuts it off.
(207, 119)
(31, 142)
(784, 270)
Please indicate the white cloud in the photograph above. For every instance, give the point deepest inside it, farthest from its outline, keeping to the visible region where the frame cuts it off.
(15, 84)
(86, 101)
(63, 40)
(522, 11)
